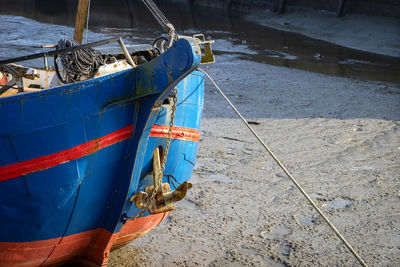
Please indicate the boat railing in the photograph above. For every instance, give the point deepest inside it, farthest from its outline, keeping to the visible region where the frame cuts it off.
(71, 49)
(19, 72)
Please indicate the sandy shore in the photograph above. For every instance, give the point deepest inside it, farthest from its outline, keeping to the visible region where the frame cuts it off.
(380, 35)
(339, 137)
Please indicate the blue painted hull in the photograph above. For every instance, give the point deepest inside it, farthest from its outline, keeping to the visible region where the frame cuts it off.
(72, 156)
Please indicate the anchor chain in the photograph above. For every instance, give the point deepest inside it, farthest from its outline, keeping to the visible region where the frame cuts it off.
(165, 155)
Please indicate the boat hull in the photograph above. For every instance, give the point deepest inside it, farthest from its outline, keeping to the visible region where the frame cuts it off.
(71, 157)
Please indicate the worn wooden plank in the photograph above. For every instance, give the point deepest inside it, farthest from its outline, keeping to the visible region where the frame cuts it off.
(80, 20)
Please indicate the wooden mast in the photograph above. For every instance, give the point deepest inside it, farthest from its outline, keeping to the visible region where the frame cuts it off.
(80, 20)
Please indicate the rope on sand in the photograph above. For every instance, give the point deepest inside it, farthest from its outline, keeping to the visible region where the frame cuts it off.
(288, 174)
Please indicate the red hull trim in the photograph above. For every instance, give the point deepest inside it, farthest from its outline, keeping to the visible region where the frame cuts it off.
(41, 163)
(88, 245)
(182, 133)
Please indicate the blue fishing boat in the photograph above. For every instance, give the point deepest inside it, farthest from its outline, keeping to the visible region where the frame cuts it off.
(89, 162)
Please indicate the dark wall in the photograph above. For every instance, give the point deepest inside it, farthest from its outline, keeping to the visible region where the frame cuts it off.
(64, 10)
(367, 7)
(43, 10)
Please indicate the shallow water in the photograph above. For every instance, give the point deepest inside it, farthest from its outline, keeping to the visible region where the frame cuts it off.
(49, 21)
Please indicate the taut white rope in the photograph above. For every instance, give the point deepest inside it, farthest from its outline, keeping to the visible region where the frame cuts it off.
(288, 174)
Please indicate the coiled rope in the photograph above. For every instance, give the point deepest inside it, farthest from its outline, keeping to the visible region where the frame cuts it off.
(288, 174)
(82, 62)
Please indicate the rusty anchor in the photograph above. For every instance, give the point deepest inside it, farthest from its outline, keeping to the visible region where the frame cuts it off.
(159, 197)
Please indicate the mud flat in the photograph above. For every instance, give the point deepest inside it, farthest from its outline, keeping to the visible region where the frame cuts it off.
(338, 136)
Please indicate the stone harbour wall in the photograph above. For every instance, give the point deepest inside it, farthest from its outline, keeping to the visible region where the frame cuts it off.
(390, 8)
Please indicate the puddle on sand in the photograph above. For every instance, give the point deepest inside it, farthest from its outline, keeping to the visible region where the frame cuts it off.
(364, 168)
(282, 250)
(203, 164)
(337, 204)
(303, 220)
(221, 178)
(188, 209)
(277, 232)
(234, 36)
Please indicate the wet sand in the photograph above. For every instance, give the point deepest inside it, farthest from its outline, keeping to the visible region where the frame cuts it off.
(339, 137)
(380, 35)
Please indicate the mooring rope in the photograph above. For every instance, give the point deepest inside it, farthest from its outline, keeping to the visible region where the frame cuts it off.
(288, 173)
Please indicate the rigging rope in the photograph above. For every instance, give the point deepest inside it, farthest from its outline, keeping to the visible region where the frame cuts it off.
(82, 62)
(159, 16)
(87, 22)
(288, 174)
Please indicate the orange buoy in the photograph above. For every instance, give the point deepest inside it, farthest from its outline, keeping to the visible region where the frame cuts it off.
(3, 79)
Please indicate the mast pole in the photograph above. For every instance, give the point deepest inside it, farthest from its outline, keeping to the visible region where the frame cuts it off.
(80, 19)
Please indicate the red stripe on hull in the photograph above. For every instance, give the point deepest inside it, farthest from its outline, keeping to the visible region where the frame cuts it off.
(182, 133)
(137, 228)
(41, 163)
(99, 250)
(35, 253)
(93, 245)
